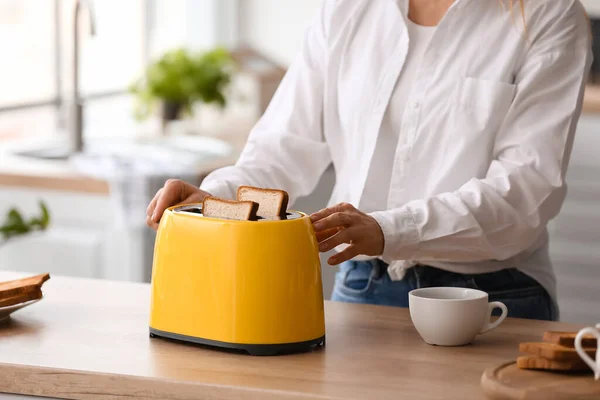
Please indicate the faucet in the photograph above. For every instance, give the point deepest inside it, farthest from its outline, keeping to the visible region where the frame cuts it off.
(76, 128)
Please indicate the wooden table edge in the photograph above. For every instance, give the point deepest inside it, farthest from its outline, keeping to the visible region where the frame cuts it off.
(17, 379)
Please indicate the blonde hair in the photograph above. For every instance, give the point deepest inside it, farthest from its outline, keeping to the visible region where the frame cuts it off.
(511, 8)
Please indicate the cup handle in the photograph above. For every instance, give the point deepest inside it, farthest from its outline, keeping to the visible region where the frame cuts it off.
(495, 304)
(588, 360)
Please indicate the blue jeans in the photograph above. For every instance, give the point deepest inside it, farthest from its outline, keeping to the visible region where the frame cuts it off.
(368, 282)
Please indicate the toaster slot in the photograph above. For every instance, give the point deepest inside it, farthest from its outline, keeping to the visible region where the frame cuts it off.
(288, 215)
(197, 209)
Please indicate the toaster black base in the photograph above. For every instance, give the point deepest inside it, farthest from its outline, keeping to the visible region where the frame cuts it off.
(252, 349)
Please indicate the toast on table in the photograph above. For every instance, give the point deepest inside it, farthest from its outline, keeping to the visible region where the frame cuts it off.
(24, 285)
(21, 298)
(533, 362)
(568, 339)
(553, 351)
(22, 290)
(556, 352)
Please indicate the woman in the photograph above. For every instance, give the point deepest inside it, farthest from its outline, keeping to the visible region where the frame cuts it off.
(449, 125)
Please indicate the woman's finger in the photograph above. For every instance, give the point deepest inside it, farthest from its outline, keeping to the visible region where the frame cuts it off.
(321, 214)
(170, 196)
(326, 234)
(326, 212)
(348, 235)
(152, 205)
(151, 224)
(348, 253)
(336, 220)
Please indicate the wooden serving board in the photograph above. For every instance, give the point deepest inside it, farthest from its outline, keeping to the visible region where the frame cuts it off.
(508, 382)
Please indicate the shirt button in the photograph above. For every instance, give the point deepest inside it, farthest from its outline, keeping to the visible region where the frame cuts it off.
(416, 106)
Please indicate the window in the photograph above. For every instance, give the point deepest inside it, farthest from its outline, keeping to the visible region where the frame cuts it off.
(114, 56)
(36, 71)
(28, 42)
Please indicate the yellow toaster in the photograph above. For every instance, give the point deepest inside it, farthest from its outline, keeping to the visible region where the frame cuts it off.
(248, 285)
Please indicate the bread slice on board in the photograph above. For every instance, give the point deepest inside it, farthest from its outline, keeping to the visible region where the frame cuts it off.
(16, 287)
(271, 202)
(533, 362)
(21, 298)
(229, 209)
(567, 339)
(553, 351)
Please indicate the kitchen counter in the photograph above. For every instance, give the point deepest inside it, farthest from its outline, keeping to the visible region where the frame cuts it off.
(89, 339)
(16, 171)
(61, 175)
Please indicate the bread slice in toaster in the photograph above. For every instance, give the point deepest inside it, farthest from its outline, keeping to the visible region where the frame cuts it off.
(271, 202)
(229, 209)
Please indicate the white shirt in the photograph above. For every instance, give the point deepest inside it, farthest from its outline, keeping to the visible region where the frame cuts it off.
(489, 126)
(377, 187)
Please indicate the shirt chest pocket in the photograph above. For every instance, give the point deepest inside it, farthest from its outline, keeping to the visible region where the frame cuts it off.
(481, 106)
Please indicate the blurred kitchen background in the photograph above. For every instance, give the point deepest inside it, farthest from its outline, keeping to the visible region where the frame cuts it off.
(96, 198)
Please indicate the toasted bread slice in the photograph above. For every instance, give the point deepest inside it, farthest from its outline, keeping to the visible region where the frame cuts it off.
(271, 202)
(533, 362)
(229, 209)
(21, 298)
(567, 339)
(553, 351)
(16, 287)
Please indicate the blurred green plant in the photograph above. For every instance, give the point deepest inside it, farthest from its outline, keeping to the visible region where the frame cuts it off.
(180, 78)
(16, 225)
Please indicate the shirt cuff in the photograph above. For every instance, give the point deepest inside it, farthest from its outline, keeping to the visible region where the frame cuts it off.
(400, 233)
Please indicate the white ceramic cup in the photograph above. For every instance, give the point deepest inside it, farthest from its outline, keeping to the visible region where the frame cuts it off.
(594, 364)
(452, 316)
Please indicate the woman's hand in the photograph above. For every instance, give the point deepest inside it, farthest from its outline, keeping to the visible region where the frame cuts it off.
(172, 193)
(343, 223)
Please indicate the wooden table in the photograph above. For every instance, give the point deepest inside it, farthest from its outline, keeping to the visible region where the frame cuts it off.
(89, 339)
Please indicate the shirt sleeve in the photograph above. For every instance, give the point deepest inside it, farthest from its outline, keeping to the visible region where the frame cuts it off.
(504, 213)
(286, 148)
